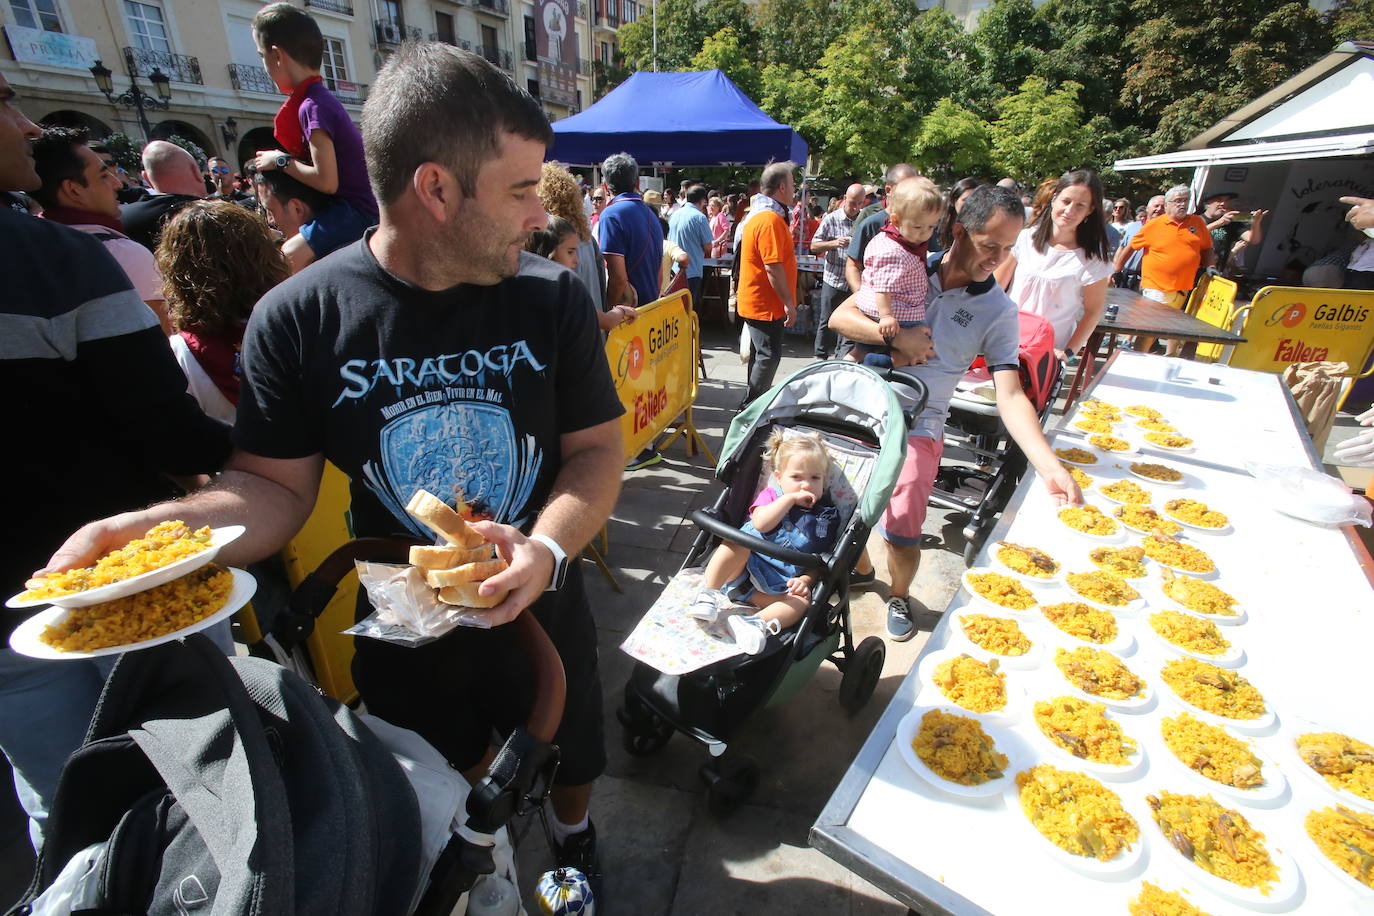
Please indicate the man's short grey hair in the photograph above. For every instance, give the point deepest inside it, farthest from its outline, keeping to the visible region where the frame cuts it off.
(984, 201)
(1178, 190)
(620, 172)
(775, 175)
(1157, 197)
(898, 173)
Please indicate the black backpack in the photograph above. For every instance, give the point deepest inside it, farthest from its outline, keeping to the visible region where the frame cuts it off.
(229, 786)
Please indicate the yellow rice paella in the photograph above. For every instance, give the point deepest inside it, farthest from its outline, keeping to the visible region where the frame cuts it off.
(1126, 491)
(1144, 518)
(1192, 634)
(1001, 590)
(1126, 562)
(1140, 410)
(1076, 455)
(1155, 901)
(1082, 621)
(1089, 520)
(1082, 728)
(1028, 561)
(1346, 838)
(1212, 751)
(1218, 839)
(1343, 761)
(1172, 552)
(1102, 587)
(998, 635)
(1157, 471)
(146, 615)
(975, 685)
(1169, 440)
(162, 545)
(1212, 689)
(1099, 673)
(1083, 480)
(1109, 443)
(1197, 595)
(1196, 513)
(1076, 812)
(956, 748)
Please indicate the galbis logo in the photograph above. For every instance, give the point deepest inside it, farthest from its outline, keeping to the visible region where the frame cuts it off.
(631, 361)
(1288, 315)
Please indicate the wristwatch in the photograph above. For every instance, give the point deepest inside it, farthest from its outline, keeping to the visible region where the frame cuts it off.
(282, 161)
(560, 561)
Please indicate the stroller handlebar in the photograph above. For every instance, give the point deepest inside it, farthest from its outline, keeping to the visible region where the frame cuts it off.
(728, 532)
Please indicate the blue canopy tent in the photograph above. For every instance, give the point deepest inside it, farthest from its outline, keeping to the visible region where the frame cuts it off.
(676, 119)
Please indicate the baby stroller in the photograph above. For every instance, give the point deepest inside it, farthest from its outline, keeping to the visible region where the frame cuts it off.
(232, 786)
(863, 418)
(974, 434)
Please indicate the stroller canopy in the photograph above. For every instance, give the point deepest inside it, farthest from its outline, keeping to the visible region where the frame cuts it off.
(842, 391)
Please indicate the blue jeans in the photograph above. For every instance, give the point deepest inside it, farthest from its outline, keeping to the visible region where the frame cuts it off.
(827, 341)
(45, 709)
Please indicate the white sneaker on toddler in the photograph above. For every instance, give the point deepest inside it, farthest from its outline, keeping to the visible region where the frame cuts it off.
(707, 606)
(751, 632)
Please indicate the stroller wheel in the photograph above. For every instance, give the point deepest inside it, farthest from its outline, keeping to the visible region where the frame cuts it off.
(729, 783)
(643, 732)
(861, 674)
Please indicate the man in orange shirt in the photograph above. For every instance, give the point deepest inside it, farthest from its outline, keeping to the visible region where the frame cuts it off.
(768, 275)
(1176, 244)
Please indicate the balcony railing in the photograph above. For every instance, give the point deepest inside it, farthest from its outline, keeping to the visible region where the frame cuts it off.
(334, 6)
(496, 7)
(348, 93)
(498, 56)
(251, 78)
(180, 67)
(584, 66)
(451, 40)
(392, 33)
(581, 11)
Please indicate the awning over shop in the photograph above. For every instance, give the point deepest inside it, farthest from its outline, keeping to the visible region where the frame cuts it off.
(676, 119)
(1325, 111)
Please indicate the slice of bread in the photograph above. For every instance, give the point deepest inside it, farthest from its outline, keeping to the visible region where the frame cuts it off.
(448, 557)
(435, 515)
(465, 595)
(468, 572)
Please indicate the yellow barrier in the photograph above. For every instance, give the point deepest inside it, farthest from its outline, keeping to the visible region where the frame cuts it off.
(1289, 324)
(328, 528)
(1212, 302)
(654, 363)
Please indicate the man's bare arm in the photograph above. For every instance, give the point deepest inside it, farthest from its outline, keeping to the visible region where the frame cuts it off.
(1018, 415)
(1119, 262)
(777, 278)
(853, 273)
(913, 343)
(270, 497)
(584, 493)
(617, 281)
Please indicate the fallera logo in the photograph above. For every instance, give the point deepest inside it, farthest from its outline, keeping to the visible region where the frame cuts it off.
(1287, 315)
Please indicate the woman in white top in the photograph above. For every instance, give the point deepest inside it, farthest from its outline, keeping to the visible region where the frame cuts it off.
(1060, 265)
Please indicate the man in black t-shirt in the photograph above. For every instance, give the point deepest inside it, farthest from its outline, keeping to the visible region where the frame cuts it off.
(436, 354)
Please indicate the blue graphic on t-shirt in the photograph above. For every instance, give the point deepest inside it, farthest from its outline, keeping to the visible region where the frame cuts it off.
(463, 449)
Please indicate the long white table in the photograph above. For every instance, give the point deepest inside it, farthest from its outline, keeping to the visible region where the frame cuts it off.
(1308, 640)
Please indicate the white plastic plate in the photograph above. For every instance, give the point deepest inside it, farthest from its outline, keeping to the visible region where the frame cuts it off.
(1288, 739)
(1082, 464)
(933, 695)
(1065, 760)
(906, 734)
(1127, 525)
(1160, 483)
(25, 641)
(1022, 577)
(1130, 608)
(1270, 794)
(1138, 702)
(1221, 620)
(1146, 443)
(1124, 644)
(1224, 529)
(1247, 726)
(1233, 657)
(143, 581)
(1115, 537)
(1025, 662)
(999, 608)
(1344, 877)
(1281, 893)
(1118, 869)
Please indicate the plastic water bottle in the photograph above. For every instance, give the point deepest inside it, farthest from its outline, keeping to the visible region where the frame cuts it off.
(565, 892)
(493, 895)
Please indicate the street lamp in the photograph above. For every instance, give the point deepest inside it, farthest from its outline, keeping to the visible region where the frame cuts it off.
(134, 97)
(229, 130)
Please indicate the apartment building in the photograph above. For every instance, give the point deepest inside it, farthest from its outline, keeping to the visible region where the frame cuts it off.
(200, 56)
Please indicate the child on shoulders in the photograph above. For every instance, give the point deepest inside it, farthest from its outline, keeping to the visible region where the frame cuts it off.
(320, 145)
(794, 513)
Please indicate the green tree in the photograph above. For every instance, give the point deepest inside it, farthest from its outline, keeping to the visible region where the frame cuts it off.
(952, 142)
(722, 52)
(1090, 49)
(795, 33)
(1197, 62)
(681, 32)
(191, 147)
(126, 153)
(1039, 131)
(1010, 43)
(1351, 20)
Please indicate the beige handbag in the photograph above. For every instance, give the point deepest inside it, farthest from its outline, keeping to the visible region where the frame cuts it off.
(1317, 390)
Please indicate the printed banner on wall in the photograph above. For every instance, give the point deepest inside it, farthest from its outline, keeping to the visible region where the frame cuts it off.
(557, 52)
(36, 46)
(654, 363)
(1290, 324)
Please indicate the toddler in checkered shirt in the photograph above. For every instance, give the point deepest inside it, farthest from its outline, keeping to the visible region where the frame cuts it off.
(894, 277)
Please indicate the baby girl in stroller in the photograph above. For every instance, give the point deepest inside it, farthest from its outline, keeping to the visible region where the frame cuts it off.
(793, 512)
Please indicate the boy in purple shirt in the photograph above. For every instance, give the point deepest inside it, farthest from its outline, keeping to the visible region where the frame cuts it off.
(321, 147)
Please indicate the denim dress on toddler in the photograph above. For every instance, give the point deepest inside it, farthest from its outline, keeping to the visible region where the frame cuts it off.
(809, 530)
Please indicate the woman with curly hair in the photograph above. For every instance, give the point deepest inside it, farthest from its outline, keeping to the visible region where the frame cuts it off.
(561, 196)
(217, 259)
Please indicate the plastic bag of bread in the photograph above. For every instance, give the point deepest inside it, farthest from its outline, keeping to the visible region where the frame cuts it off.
(407, 609)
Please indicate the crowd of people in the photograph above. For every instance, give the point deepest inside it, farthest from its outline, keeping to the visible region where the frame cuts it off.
(205, 358)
